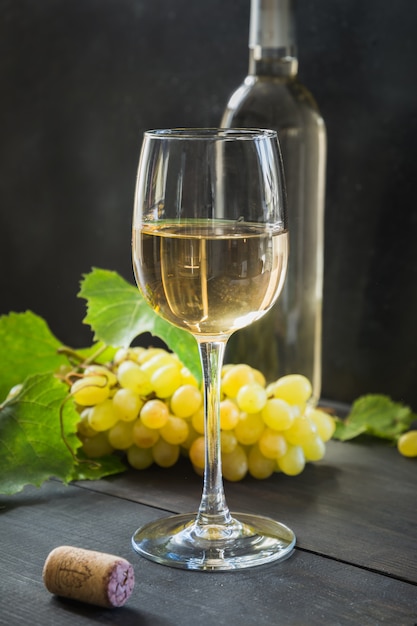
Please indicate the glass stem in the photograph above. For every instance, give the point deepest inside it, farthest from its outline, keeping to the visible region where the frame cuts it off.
(213, 508)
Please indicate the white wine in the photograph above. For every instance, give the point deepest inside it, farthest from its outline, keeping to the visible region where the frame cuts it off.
(210, 278)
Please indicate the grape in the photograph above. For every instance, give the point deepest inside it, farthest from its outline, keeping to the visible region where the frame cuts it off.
(102, 416)
(154, 414)
(293, 388)
(96, 446)
(249, 428)
(407, 443)
(324, 423)
(228, 441)
(83, 427)
(235, 464)
(292, 462)
(139, 458)
(159, 359)
(197, 421)
(165, 454)
(277, 414)
(186, 400)
(260, 466)
(143, 436)
(120, 436)
(166, 379)
(313, 448)
(175, 431)
(272, 444)
(300, 431)
(197, 453)
(235, 378)
(131, 376)
(90, 390)
(187, 377)
(229, 414)
(192, 436)
(127, 404)
(251, 398)
(101, 370)
(259, 377)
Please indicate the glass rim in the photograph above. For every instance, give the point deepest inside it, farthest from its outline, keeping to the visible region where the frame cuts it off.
(211, 133)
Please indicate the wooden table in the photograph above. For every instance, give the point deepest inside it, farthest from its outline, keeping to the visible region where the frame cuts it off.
(354, 514)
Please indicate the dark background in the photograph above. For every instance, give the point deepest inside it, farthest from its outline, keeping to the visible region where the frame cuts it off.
(82, 79)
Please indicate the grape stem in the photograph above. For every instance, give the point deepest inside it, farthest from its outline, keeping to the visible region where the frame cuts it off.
(213, 509)
(79, 358)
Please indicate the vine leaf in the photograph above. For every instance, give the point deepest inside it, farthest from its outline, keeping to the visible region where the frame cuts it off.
(117, 314)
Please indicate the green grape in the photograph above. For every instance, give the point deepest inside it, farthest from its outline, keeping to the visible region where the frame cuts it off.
(249, 428)
(175, 431)
(260, 466)
(292, 462)
(120, 435)
(192, 436)
(313, 448)
(197, 421)
(236, 377)
(277, 414)
(407, 443)
(97, 446)
(131, 376)
(293, 388)
(102, 416)
(154, 413)
(83, 427)
(229, 414)
(159, 359)
(165, 454)
(197, 453)
(324, 422)
(139, 458)
(143, 436)
(186, 400)
(228, 441)
(259, 377)
(272, 444)
(127, 404)
(166, 379)
(235, 464)
(90, 390)
(101, 370)
(300, 431)
(187, 377)
(251, 398)
(149, 353)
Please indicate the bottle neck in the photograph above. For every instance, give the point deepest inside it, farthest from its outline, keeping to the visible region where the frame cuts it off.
(272, 39)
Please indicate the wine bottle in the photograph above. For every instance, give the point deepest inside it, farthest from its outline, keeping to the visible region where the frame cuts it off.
(288, 339)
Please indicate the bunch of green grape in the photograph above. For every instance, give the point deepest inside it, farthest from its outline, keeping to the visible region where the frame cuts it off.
(147, 404)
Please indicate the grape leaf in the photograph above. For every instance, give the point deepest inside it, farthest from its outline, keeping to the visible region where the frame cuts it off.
(375, 415)
(31, 446)
(27, 347)
(117, 314)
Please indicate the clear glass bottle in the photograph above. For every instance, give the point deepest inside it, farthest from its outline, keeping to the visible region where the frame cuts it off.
(288, 339)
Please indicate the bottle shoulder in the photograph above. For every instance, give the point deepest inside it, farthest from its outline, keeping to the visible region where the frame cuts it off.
(274, 99)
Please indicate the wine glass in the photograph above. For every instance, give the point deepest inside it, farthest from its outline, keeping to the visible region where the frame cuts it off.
(210, 254)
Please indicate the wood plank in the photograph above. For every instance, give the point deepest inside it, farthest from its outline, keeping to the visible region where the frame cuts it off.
(359, 504)
(306, 588)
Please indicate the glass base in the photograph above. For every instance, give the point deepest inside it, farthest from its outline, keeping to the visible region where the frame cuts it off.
(246, 541)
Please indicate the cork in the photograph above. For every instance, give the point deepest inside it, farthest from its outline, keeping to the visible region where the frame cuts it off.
(94, 577)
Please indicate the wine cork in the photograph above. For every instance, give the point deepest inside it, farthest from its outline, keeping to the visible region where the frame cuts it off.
(94, 577)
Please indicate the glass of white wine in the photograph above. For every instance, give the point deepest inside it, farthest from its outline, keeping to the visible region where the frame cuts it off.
(210, 250)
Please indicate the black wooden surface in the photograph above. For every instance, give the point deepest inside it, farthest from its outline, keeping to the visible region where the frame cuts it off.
(355, 563)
